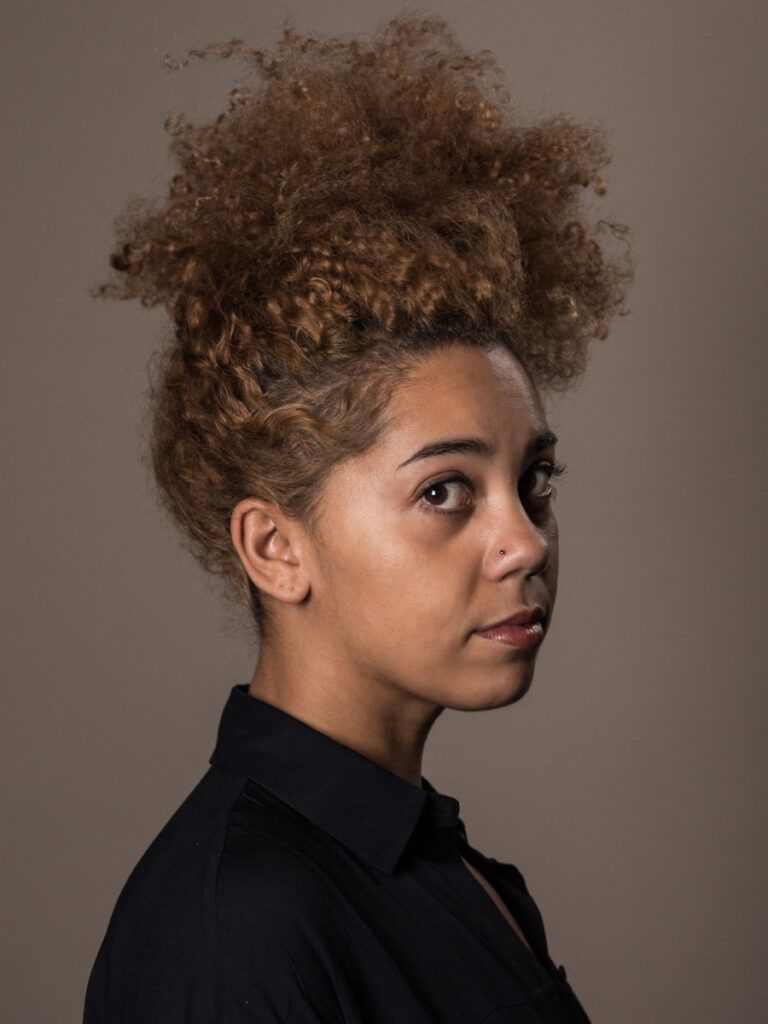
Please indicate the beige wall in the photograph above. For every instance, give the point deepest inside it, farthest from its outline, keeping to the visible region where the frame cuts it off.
(629, 785)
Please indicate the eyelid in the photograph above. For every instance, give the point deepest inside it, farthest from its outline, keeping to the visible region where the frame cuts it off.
(554, 468)
(447, 478)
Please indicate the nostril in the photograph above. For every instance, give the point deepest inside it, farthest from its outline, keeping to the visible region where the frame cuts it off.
(541, 567)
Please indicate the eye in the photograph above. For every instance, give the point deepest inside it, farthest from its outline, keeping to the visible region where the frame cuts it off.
(537, 482)
(446, 496)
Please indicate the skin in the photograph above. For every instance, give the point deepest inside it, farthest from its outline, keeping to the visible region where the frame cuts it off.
(373, 614)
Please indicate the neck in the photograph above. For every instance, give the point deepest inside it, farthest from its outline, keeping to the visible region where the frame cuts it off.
(379, 721)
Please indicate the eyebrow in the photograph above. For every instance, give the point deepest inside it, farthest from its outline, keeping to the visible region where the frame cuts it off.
(475, 446)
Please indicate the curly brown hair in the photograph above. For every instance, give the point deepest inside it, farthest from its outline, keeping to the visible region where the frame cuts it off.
(365, 201)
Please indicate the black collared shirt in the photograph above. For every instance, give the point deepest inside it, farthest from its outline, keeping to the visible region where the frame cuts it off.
(301, 882)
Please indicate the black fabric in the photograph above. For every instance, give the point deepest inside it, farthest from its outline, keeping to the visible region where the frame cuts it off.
(301, 882)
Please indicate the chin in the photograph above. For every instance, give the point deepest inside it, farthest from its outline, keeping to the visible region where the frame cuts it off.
(491, 693)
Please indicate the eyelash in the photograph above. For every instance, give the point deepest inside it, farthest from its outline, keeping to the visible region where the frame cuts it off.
(555, 469)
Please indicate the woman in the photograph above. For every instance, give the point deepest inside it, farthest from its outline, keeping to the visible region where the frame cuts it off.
(373, 273)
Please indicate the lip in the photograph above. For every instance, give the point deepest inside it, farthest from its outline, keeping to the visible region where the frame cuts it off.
(523, 629)
(521, 618)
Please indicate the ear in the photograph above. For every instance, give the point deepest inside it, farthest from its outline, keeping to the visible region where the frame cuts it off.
(268, 544)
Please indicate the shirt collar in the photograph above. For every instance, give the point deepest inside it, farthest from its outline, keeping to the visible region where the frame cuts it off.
(369, 809)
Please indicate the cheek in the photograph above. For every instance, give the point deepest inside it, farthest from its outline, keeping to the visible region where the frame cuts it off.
(357, 563)
(389, 574)
(554, 558)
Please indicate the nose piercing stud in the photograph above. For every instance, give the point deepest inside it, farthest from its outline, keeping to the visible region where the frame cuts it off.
(501, 551)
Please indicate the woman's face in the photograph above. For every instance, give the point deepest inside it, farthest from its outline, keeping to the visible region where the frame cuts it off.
(407, 568)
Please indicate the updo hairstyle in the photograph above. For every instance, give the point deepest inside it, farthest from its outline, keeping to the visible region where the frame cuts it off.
(361, 203)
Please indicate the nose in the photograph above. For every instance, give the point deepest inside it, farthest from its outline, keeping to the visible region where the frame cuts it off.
(520, 545)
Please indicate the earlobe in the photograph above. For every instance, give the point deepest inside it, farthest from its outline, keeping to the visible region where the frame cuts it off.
(265, 543)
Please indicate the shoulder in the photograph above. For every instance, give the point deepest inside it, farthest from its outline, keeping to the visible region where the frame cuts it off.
(220, 917)
(285, 926)
(159, 935)
(278, 874)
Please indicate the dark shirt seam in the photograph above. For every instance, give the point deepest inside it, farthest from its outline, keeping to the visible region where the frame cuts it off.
(352, 854)
(237, 783)
(274, 842)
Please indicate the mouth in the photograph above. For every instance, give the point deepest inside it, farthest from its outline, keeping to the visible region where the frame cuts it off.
(523, 629)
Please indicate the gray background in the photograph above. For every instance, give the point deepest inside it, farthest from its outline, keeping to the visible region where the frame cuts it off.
(628, 786)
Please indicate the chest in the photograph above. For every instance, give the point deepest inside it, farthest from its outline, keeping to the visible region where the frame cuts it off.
(498, 901)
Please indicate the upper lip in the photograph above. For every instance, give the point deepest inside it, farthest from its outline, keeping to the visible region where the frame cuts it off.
(523, 617)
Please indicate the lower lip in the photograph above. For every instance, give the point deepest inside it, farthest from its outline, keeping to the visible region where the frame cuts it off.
(529, 635)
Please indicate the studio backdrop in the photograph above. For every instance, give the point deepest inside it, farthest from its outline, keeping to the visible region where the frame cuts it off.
(628, 786)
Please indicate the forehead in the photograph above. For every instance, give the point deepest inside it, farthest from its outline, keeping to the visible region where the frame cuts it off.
(465, 391)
